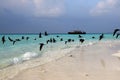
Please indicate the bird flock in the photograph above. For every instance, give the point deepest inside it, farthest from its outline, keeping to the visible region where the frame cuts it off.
(116, 34)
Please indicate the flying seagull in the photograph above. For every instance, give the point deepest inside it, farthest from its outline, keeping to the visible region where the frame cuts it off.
(117, 35)
(41, 46)
(115, 31)
(101, 36)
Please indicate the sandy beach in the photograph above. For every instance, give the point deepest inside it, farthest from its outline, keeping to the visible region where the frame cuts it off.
(84, 63)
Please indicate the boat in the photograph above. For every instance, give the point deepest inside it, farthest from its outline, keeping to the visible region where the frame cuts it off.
(77, 32)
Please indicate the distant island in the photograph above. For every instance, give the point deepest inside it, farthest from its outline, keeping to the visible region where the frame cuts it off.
(77, 32)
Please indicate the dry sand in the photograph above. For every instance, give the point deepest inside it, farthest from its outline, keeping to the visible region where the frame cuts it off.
(92, 63)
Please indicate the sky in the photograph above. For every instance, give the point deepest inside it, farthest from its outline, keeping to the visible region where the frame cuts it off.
(59, 16)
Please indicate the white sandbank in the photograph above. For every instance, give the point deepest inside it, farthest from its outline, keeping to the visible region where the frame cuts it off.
(83, 63)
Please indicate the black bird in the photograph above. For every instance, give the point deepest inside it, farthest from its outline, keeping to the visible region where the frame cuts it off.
(115, 31)
(46, 33)
(47, 41)
(72, 40)
(3, 39)
(54, 41)
(40, 35)
(82, 40)
(10, 39)
(22, 37)
(61, 39)
(65, 42)
(14, 42)
(35, 39)
(41, 46)
(17, 40)
(101, 36)
(117, 35)
(69, 40)
(27, 38)
(80, 36)
(51, 40)
(93, 37)
(57, 36)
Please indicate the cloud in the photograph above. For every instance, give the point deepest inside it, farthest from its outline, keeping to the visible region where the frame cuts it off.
(105, 7)
(38, 8)
(48, 7)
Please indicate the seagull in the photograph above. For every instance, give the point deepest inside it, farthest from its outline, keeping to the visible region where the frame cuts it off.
(115, 31)
(47, 41)
(14, 42)
(101, 36)
(54, 41)
(40, 35)
(117, 35)
(69, 40)
(3, 39)
(46, 33)
(82, 40)
(65, 42)
(27, 38)
(93, 37)
(10, 39)
(80, 36)
(61, 39)
(22, 37)
(41, 46)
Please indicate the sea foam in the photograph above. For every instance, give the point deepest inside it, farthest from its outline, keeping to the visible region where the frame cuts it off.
(26, 56)
(29, 55)
(16, 60)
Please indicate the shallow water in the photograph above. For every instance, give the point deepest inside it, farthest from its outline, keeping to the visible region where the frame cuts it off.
(10, 54)
(26, 54)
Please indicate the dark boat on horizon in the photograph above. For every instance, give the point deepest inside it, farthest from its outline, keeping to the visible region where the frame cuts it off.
(77, 32)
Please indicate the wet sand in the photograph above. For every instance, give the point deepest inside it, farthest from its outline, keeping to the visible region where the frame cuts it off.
(84, 63)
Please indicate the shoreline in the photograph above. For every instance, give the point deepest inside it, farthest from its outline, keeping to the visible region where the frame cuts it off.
(92, 63)
(11, 71)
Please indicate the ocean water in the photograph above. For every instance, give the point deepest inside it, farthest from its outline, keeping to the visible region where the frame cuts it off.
(26, 53)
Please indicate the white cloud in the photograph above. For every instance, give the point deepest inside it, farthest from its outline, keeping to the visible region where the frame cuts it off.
(34, 7)
(48, 7)
(105, 7)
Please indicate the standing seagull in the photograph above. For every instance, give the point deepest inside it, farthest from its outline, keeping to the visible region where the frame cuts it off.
(101, 36)
(40, 35)
(80, 36)
(82, 40)
(3, 39)
(22, 37)
(93, 37)
(46, 33)
(47, 41)
(41, 46)
(115, 31)
(61, 39)
(27, 38)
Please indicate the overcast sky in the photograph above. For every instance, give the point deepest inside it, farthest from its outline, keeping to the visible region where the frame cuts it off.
(59, 16)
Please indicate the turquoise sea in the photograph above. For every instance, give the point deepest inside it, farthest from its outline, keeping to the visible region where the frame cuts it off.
(25, 50)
